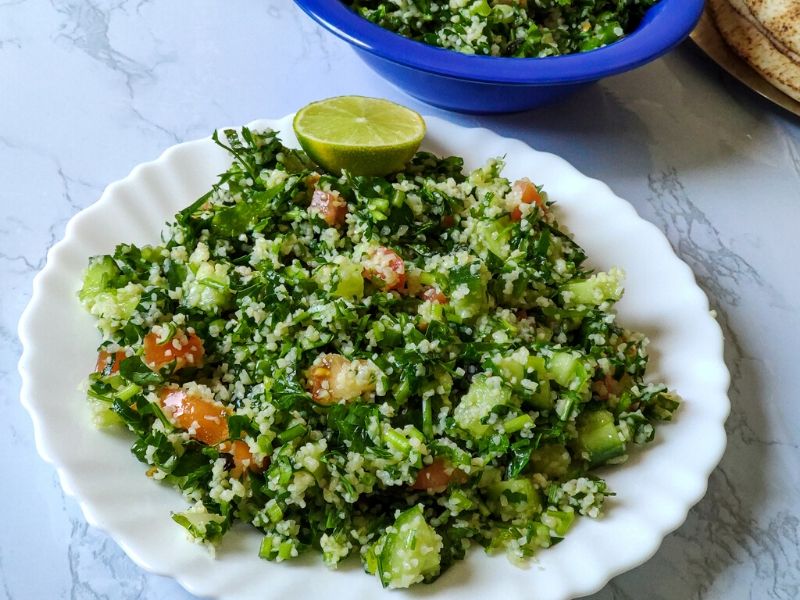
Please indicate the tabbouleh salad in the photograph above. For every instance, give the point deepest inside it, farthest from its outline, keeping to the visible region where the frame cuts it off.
(515, 28)
(393, 368)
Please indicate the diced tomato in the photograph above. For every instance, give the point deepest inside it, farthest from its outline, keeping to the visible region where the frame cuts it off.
(312, 180)
(612, 387)
(385, 268)
(242, 457)
(108, 363)
(334, 378)
(528, 195)
(448, 221)
(436, 476)
(435, 295)
(186, 349)
(329, 206)
(321, 377)
(528, 192)
(208, 420)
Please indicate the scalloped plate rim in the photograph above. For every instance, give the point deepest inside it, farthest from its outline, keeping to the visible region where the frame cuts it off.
(192, 584)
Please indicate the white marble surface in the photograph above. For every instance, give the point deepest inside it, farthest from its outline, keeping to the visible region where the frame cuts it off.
(90, 88)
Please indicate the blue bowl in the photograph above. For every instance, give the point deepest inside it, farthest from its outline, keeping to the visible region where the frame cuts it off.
(487, 84)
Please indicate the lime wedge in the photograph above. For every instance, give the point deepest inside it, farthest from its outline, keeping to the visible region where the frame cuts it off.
(365, 136)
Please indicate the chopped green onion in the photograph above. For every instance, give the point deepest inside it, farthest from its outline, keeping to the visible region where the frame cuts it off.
(427, 418)
(213, 283)
(293, 432)
(460, 501)
(274, 511)
(265, 551)
(264, 442)
(285, 550)
(564, 407)
(171, 331)
(285, 472)
(397, 440)
(517, 423)
(128, 391)
(402, 392)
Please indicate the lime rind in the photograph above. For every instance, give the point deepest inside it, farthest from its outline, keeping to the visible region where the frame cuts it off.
(365, 136)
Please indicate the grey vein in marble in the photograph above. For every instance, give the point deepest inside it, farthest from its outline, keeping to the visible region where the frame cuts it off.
(86, 27)
(697, 240)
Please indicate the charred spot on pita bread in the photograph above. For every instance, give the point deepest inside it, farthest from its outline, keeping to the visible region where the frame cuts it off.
(755, 47)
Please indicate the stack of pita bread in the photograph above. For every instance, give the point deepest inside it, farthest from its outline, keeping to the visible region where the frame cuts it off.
(766, 34)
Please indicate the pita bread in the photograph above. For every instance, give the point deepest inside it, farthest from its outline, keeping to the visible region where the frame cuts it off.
(781, 20)
(742, 8)
(756, 49)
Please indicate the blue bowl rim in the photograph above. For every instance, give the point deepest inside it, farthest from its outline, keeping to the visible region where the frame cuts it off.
(664, 26)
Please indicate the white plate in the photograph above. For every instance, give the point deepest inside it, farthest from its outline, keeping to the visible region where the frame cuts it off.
(655, 489)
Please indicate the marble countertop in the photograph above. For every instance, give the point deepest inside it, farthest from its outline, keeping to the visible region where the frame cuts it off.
(90, 88)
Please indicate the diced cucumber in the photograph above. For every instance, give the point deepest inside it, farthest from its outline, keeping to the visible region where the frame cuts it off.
(598, 437)
(512, 368)
(539, 536)
(542, 397)
(519, 542)
(569, 370)
(409, 551)
(103, 417)
(558, 520)
(387, 331)
(370, 560)
(102, 269)
(209, 289)
(101, 298)
(503, 13)
(351, 281)
(115, 305)
(552, 460)
(514, 498)
(520, 366)
(202, 526)
(344, 280)
(466, 290)
(484, 394)
(153, 254)
(661, 404)
(599, 288)
(482, 9)
(430, 312)
(494, 236)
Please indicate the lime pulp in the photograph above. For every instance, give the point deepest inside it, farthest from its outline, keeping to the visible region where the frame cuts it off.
(364, 136)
